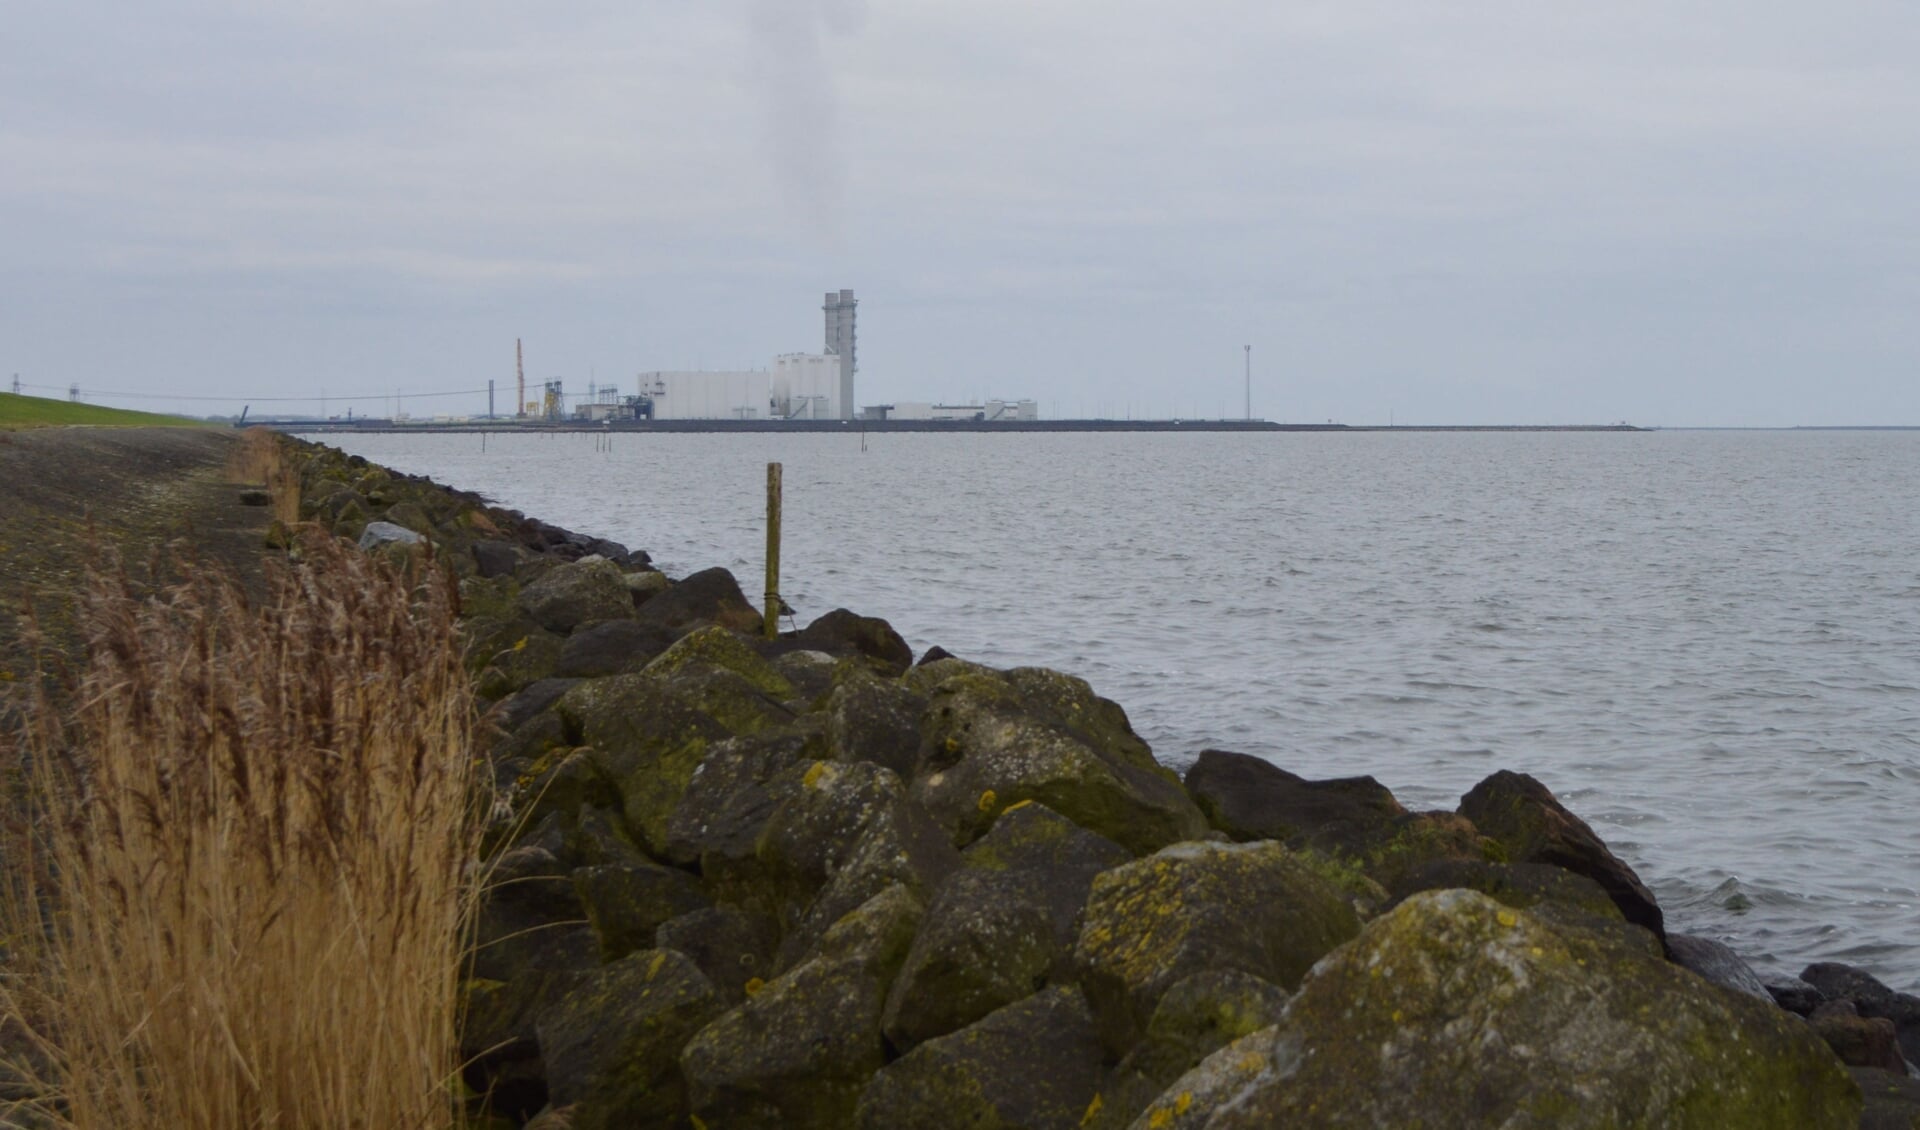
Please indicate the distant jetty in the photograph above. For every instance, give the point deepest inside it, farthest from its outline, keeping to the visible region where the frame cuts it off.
(875, 427)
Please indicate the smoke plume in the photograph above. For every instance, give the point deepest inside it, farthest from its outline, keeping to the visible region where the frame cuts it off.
(799, 105)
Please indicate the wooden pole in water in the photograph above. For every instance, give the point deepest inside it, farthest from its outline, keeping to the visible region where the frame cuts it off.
(771, 626)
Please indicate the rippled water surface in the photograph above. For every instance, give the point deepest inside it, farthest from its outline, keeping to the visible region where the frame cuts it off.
(1708, 644)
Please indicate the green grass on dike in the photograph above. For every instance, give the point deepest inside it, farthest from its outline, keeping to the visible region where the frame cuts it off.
(18, 412)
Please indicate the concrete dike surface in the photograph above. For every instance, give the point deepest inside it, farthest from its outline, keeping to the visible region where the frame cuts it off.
(819, 881)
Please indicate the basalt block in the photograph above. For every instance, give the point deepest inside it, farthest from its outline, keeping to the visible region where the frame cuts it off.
(1199, 907)
(985, 745)
(646, 740)
(710, 596)
(801, 1048)
(841, 632)
(626, 903)
(1251, 799)
(610, 647)
(1034, 1063)
(981, 947)
(1526, 819)
(875, 720)
(612, 1042)
(575, 593)
(1456, 1010)
(729, 797)
(712, 647)
(1195, 1018)
(1052, 860)
(1871, 998)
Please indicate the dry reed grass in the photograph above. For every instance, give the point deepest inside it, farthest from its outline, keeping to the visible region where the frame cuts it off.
(261, 459)
(251, 861)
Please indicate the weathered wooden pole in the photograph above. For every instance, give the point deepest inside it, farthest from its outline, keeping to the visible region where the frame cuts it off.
(771, 626)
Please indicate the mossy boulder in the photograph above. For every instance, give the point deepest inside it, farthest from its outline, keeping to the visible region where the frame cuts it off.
(1455, 1008)
(729, 797)
(529, 946)
(1034, 1063)
(926, 676)
(330, 502)
(841, 632)
(645, 584)
(646, 740)
(710, 596)
(493, 597)
(875, 720)
(554, 787)
(1052, 859)
(801, 1048)
(1069, 701)
(732, 946)
(728, 698)
(1892, 1099)
(493, 558)
(714, 646)
(1195, 1018)
(528, 660)
(1837, 982)
(1196, 907)
(575, 593)
(1531, 824)
(981, 947)
(612, 1042)
(899, 844)
(610, 647)
(810, 672)
(1857, 1040)
(836, 832)
(1251, 799)
(1001, 927)
(530, 702)
(1193, 1100)
(626, 903)
(986, 745)
(484, 636)
(1420, 839)
(529, 916)
(1560, 896)
(410, 514)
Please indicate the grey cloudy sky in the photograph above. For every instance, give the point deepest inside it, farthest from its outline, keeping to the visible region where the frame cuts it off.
(1675, 212)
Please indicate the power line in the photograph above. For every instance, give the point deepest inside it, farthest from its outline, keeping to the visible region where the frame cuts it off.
(102, 393)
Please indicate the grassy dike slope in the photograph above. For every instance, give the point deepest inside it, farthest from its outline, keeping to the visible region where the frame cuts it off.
(21, 412)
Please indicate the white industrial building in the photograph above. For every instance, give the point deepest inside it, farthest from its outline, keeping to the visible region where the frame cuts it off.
(709, 395)
(801, 386)
(806, 386)
(991, 410)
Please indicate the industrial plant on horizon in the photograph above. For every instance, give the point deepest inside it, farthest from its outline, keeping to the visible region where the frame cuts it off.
(799, 386)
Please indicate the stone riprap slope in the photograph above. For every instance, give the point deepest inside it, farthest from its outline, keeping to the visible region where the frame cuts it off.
(808, 882)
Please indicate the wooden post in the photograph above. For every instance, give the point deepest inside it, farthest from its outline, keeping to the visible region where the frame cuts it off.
(771, 626)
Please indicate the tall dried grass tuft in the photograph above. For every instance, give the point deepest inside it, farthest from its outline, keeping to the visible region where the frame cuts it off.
(262, 459)
(253, 847)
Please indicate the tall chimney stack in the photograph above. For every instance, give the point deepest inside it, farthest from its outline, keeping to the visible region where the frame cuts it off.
(843, 342)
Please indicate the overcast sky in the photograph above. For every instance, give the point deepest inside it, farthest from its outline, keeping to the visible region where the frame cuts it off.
(1670, 213)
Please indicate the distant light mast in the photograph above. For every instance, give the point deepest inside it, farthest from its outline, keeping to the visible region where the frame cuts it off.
(1249, 350)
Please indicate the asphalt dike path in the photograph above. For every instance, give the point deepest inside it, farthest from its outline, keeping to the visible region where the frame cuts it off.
(71, 498)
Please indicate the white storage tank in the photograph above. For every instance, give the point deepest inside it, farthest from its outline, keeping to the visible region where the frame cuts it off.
(806, 386)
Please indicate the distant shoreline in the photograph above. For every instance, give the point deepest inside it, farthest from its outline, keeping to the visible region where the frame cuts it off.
(842, 427)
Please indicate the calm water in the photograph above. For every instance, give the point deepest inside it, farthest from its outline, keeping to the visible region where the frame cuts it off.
(1708, 644)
